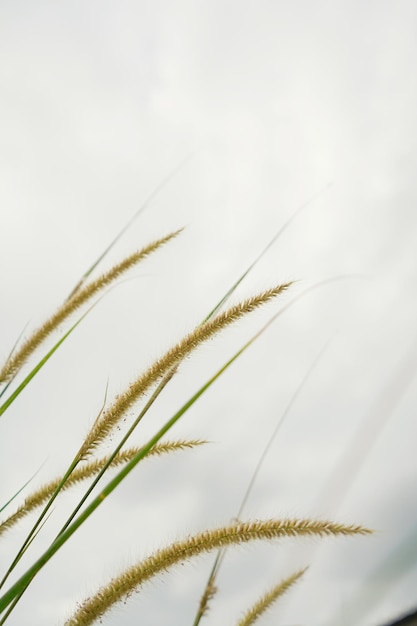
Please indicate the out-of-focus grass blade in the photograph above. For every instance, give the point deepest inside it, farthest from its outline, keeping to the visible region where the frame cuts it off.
(269, 245)
(134, 217)
(351, 463)
(379, 582)
(210, 584)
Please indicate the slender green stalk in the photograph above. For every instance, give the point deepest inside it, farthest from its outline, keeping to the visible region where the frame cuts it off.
(41, 363)
(35, 527)
(118, 448)
(62, 538)
(16, 494)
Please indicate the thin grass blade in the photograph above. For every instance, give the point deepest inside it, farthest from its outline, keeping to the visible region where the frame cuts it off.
(128, 224)
(19, 491)
(42, 362)
(269, 245)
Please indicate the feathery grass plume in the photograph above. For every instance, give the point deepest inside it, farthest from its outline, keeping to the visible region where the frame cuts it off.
(269, 598)
(102, 427)
(42, 495)
(21, 355)
(123, 586)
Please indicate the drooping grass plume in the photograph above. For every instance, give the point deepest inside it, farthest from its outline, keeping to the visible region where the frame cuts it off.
(88, 470)
(93, 608)
(269, 598)
(80, 297)
(104, 426)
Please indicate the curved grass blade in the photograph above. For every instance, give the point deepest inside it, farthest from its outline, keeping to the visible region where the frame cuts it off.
(278, 427)
(269, 245)
(210, 587)
(19, 491)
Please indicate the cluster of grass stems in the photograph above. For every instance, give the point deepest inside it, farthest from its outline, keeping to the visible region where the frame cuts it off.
(91, 467)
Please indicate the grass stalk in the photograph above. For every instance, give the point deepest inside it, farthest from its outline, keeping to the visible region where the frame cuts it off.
(210, 588)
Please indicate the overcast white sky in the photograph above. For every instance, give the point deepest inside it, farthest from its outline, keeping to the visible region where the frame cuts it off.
(274, 100)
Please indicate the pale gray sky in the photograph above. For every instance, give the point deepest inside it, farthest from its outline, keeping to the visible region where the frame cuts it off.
(99, 101)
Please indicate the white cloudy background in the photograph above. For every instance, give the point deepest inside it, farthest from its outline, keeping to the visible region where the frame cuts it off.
(274, 101)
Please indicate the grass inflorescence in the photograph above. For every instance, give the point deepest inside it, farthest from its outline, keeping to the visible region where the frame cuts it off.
(92, 468)
(238, 533)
